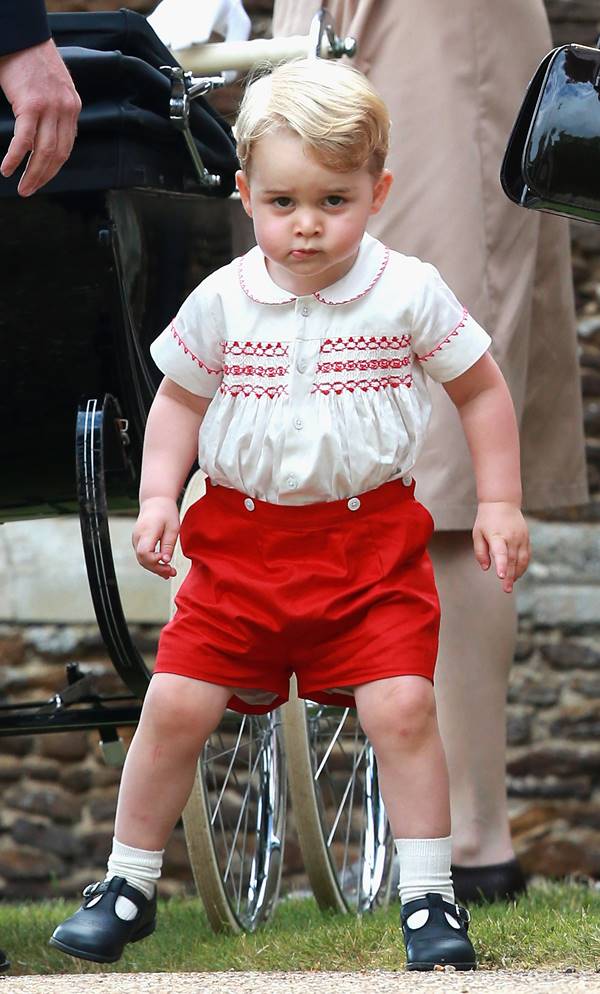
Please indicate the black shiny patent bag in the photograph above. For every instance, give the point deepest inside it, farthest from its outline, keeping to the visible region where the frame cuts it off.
(552, 160)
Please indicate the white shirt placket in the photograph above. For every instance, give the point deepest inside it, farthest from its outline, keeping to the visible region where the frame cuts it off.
(301, 410)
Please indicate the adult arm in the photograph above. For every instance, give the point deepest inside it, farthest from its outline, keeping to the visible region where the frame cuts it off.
(40, 91)
(23, 23)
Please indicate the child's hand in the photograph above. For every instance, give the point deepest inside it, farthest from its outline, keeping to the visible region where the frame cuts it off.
(500, 533)
(155, 534)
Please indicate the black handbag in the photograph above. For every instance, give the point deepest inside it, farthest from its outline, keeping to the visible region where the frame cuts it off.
(552, 160)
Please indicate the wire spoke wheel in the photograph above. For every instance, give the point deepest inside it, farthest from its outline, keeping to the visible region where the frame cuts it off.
(235, 821)
(235, 817)
(343, 830)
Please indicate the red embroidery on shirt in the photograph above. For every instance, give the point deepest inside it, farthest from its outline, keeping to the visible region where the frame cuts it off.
(364, 385)
(446, 340)
(362, 344)
(263, 349)
(255, 370)
(248, 390)
(363, 364)
(348, 300)
(188, 351)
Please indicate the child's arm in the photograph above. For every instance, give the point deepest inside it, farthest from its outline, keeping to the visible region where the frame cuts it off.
(170, 447)
(488, 419)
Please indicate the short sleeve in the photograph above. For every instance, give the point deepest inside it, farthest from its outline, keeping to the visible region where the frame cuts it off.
(189, 349)
(446, 339)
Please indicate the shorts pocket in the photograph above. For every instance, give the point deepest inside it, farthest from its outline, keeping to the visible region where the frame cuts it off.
(401, 536)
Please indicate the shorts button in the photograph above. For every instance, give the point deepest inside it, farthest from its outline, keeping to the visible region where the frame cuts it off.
(407, 480)
(353, 504)
(249, 504)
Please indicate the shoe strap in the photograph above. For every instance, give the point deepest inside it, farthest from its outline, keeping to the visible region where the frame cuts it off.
(434, 902)
(118, 885)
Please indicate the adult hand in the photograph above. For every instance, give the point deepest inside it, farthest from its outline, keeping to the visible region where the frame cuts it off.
(46, 106)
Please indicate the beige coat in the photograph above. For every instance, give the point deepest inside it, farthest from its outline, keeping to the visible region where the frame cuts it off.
(453, 75)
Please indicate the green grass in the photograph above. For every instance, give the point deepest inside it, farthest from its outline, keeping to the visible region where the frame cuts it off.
(556, 926)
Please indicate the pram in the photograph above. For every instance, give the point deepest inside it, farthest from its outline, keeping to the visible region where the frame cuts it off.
(93, 268)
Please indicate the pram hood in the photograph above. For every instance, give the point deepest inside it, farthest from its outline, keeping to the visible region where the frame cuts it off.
(125, 136)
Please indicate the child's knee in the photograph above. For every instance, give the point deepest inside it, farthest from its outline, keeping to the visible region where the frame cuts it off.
(175, 715)
(403, 713)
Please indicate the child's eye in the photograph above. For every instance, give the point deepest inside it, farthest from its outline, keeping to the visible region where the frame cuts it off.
(282, 201)
(334, 200)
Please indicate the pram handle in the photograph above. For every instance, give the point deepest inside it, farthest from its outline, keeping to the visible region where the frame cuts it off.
(321, 42)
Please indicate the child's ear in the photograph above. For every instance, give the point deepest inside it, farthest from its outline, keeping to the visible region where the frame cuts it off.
(381, 190)
(241, 181)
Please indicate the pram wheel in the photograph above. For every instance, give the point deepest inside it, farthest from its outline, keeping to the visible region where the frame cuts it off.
(235, 818)
(344, 834)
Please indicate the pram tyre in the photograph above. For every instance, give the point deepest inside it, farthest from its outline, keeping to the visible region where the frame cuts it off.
(343, 832)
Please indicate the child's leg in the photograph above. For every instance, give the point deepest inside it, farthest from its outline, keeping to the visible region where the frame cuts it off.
(177, 717)
(398, 715)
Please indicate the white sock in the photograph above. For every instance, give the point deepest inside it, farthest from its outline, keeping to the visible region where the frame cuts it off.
(425, 868)
(141, 869)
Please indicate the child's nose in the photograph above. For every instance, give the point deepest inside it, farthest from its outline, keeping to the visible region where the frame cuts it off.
(307, 223)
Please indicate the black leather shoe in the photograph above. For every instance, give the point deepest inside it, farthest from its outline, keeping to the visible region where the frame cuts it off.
(441, 940)
(96, 932)
(496, 882)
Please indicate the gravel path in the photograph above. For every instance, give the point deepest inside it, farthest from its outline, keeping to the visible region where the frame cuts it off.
(373, 982)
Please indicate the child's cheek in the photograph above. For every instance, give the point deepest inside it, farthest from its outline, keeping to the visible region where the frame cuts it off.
(269, 235)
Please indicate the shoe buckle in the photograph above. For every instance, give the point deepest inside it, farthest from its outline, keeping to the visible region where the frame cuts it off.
(91, 889)
(463, 914)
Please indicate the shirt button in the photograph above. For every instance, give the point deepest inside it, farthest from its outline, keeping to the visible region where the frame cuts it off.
(301, 365)
(407, 480)
(298, 423)
(353, 504)
(292, 482)
(249, 504)
(305, 311)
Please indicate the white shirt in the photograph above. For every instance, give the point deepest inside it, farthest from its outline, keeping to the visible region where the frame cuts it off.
(324, 396)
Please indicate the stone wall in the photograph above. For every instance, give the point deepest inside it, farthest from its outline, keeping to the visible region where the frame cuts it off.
(58, 797)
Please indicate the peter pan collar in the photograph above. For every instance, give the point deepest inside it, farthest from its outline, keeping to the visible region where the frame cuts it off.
(369, 266)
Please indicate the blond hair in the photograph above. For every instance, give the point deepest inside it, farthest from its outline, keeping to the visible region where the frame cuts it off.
(332, 107)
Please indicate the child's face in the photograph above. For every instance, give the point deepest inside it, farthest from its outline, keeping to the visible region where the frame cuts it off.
(308, 219)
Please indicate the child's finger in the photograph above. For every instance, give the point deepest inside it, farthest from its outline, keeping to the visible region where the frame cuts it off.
(167, 543)
(481, 549)
(499, 550)
(146, 550)
(523, 555)
(153, 562)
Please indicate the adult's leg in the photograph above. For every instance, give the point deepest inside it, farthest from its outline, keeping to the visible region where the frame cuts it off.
(477, 640)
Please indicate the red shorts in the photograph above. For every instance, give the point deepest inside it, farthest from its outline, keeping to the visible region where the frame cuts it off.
(340, 593)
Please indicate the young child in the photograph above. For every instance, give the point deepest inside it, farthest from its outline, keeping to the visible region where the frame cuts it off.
(303, 368)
